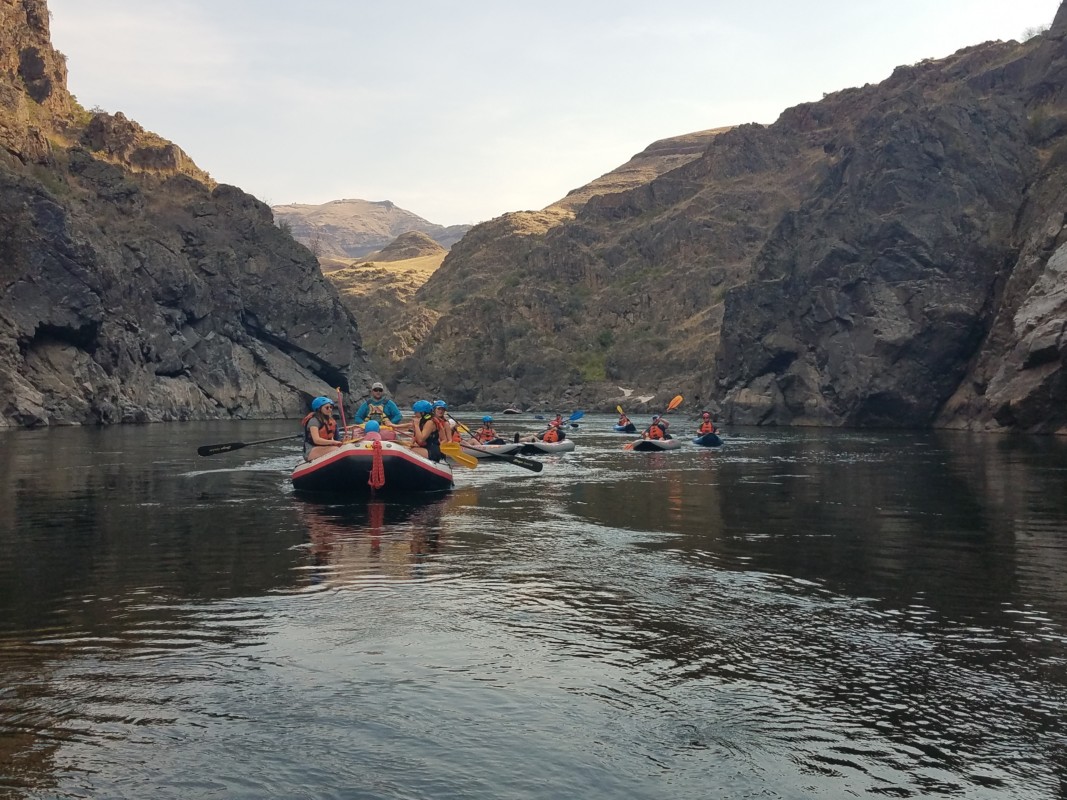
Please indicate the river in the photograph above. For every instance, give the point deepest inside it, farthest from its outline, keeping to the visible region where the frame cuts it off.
(797, 614)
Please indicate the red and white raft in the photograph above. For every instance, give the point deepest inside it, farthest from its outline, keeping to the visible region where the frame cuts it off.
(364, 468)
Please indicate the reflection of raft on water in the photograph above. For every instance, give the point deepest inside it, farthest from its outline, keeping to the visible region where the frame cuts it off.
(364, 541)
(366, 467)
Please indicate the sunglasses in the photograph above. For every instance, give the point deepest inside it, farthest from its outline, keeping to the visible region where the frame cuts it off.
(377, 390)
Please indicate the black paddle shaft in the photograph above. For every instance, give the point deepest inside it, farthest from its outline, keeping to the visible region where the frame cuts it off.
(215, 449)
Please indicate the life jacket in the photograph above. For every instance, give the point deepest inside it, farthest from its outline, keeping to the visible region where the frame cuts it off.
(327, 429)
(655, 431)
(706, 427)
(624, 421)
(433, 435)
(376, 411)
(550, 436)
(485, 434)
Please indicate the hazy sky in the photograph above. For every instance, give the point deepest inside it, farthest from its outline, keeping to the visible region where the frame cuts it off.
(462, 111)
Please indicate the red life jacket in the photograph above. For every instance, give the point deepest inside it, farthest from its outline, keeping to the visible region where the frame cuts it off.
(550, 436)
(624, 421)
(706, 427)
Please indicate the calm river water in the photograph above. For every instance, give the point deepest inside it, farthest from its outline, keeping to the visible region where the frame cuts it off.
(798, 614)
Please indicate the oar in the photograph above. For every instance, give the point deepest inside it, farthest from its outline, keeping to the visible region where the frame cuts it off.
(518, 461)
(215, 449)
(455, 452)
(677, 401)
(573, 418)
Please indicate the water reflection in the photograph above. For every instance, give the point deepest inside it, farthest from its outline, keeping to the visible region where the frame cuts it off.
(364, 542)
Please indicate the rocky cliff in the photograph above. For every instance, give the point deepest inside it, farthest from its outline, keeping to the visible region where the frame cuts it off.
(892, 255)
(357, 228)
(132, 288)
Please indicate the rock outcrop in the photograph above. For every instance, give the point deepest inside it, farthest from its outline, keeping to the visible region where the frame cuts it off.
(357, 228)
(889, 256)
(132, 288)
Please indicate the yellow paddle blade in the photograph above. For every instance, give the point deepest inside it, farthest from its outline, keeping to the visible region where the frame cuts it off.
(619, 409)
(455, 452)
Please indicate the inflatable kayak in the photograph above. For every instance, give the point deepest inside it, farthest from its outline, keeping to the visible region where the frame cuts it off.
(649, 445)
(628, 428)
(708, 440)
(533, 448)
(489, 450)
(364, 468)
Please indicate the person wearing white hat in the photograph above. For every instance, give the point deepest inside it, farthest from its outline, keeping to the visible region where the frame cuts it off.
(378, 408)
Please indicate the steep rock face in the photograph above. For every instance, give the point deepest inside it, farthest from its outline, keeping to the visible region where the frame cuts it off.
(887, 256)
(872, 302)
(131, 287)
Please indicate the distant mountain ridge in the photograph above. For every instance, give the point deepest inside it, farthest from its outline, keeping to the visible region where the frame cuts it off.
(354, 228)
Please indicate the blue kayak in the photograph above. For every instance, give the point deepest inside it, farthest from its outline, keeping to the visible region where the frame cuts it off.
(708, 440)
(631, 428)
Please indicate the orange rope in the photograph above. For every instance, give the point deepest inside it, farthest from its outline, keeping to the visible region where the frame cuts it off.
(377, 469)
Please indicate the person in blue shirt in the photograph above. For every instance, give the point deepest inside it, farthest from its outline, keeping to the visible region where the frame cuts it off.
(378, 408)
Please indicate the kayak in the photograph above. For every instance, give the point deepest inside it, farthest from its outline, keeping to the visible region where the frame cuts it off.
(649, 445)
(512, 410)
(628, 428)
(353, 469)
(489, 450)
(534, 448)
(708, 440)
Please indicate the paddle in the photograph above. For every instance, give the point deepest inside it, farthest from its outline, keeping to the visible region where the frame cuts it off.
(518, 461)
(215, 449)
(455, 452)
(450, 449)
(677, 401)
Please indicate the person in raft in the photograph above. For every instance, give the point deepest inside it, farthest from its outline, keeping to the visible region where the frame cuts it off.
(379, 408)
(371, 431)
(428, 430)
(487, 433)
(624, 421)
(320, 430)
(706, 425)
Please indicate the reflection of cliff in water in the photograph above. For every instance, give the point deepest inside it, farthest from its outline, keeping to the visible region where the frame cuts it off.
(372, 541)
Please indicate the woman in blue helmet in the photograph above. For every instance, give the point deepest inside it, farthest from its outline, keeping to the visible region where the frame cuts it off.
(424, 431)
(320, 429)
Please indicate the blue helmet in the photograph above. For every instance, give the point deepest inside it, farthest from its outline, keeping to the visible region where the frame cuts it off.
(421, 407)
(440, 404)
(319, 402)
(372, 425)
(487, 419)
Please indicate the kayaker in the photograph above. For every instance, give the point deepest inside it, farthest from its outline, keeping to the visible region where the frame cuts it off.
(487, 434)
(378, 407)
(706, 425)
(446, 426)
(552, 435)
(623, 421)
(320, 429)
(657, 430)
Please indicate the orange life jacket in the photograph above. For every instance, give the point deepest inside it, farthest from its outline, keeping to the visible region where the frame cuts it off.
(655, 432)
(327, 429)
(706, 427)
(624, 421)
(485, 434)
(550, 436)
